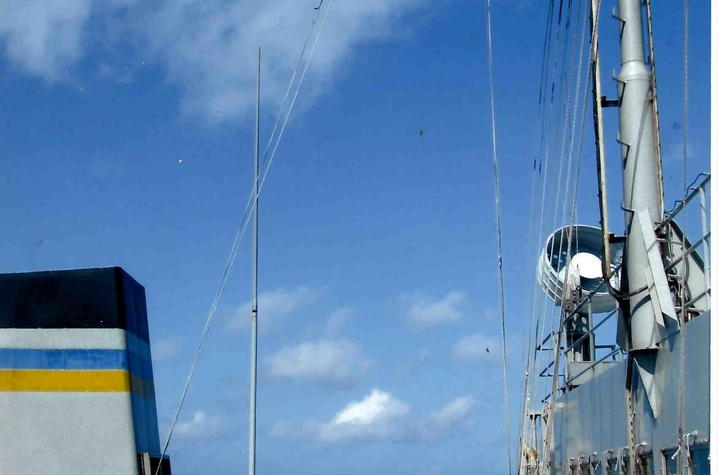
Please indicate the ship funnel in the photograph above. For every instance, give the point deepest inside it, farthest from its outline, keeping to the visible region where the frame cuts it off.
(584, 269)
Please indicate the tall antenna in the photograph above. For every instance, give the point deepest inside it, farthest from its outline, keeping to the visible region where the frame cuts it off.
(255, 268)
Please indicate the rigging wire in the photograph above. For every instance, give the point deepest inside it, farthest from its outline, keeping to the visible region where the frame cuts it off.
(273, 152)
(249, 209)
(561, 122)
(544, 161)
(576, 95)
(536, 322)
(685, 95)
(577, 90)
(682, 319)
(569, 115)
(534, 229)
(497, 198)
(654, 102)
(294, 75)
(533, 212)
(572, 218)
(546, 52)
(538, 194)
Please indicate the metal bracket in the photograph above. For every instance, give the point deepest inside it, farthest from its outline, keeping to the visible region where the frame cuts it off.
(615, 15)
(613, 238)
(655, 274)
(624, 158)
(609, 102)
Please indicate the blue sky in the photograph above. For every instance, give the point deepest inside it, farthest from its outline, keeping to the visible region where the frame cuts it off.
(377, 243)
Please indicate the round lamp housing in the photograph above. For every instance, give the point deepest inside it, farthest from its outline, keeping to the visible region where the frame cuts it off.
(583, 268)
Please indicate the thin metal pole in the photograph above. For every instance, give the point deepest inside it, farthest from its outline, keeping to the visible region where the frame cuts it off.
(706, 245)
(255, 272)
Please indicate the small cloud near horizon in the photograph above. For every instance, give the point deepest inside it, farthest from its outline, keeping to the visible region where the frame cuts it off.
(380, 416)
(164, 349)
(330, 362)
(273, 305)
(201, 426)
(426, 312)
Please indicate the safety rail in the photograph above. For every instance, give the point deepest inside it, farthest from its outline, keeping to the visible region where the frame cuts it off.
(565, 319)
(576, 310)
(697, 188)
(568, 381)
(591, 331)
(692, 192)
(577, 342)
(595, 363)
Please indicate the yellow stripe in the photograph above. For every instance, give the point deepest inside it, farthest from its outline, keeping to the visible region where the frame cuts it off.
(64, 380)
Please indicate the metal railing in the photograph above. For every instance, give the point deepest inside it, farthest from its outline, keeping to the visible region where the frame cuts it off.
(591, 331)
(699, 250)
(697, 188)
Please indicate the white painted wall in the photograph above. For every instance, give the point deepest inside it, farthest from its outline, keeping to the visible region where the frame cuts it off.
(66, 433)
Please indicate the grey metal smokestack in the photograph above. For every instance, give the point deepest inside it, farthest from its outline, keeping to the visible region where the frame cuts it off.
(641, 177)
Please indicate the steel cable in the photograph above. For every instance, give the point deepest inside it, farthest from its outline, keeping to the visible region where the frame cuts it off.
(497, 198)
(239, 236)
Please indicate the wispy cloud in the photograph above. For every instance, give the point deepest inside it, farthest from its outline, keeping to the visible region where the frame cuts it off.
(338, 319)
(44, 37)
(336, 362)
(380, 416)
(210, 47)
(164, 349)
(273, 305)
(207, 49)
(377, 416)
(201, 426)
(449, 418)
(477, 348)
(425, 312)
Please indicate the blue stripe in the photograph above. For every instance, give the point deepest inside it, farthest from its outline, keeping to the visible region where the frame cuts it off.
(140, 366)
(22, 358)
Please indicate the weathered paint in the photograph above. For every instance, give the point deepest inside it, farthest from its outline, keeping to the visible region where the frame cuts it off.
(64, 380)
(592, 418)
(76, 380)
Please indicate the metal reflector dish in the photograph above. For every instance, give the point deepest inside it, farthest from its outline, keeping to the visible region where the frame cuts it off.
(585, 265)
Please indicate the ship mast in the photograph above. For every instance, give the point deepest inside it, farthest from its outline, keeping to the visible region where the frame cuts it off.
(660, 273)
(251, 453)
(647, 305)
(641, 171)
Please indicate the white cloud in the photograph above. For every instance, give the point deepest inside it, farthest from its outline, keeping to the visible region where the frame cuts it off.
(377, 416)
(273, 305)
(207, 48)
(337, 319)
(210, 47)
(477, 347)
(201, 426)
(450, 417)
(167, 348)
(425, 312)
(332, 362)
(43, 37)
(380, 416)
